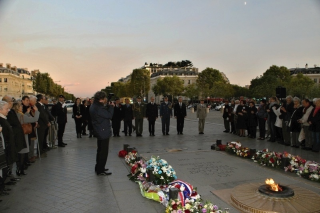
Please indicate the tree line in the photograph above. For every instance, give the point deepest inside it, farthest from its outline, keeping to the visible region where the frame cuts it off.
(43, 83)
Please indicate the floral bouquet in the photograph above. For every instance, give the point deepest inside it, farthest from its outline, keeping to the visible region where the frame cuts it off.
(233, 147)
(161, 171)
(175, 206)
(266, 158)
(130, 158)
(138, 171)
(244, 152)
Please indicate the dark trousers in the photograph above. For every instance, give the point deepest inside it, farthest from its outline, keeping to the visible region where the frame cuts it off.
(180, 124)
(102, 155)
(165, 124)
(84, 127)
(41, 137)
(151, 121)
(116, 127)
(139, 125)
(45, 144)
(78, 122)
(316, 141)
(233, 129)
(273, 131)
(262, 127)
(279, 134)
(253, 131)
(226, 125)
(61, 127)
(286, 133)
(127, 124)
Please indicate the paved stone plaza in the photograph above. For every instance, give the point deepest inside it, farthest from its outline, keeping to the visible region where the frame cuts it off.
(65, 181)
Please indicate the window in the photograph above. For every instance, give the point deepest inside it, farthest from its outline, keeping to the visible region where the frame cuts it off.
(189, 81)
(5, 89)
(0, 79)
(315, 80)
(5, 80)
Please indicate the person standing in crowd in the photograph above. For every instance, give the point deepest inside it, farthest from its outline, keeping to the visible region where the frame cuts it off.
(253, 120)
(61, 113)
(272, 118)
(90, 128)
(278, 123)
(314, 122)
(262, 117)
(117, 118)
(139, 112)
(305, 125)
(201, 116)
(8, 135)
(33, 135)
(101, 115)
(24, 118)
(77, 114)
(286, 112)
(152, 115)
(127, 117)
(165, 115)
(43, 122)
(51, 120)
(180, 113)
(235, 117)
(226, 116)
(231, 116)
(242, 114)
(295, 126)
(84, 117)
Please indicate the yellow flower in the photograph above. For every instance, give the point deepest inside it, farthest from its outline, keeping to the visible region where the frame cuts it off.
(188, 206)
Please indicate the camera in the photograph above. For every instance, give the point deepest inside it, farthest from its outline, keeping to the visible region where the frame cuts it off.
(110, 95)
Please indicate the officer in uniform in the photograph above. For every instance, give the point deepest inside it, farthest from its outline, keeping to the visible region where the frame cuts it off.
(201, 115)
(127, 117)
(117, 118)
(152, 115)
(139, 112)
(180, 113)
(165, 115)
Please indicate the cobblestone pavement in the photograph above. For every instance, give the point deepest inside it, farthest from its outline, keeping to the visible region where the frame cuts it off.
(65, 181)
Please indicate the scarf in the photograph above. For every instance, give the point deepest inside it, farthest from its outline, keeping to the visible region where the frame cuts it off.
(3, 116)
(315, 111)
(305, 109)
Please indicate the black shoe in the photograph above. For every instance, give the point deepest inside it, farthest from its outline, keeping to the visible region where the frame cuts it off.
(315, 151)
(178, 133)
(104, 173)
(129, 134)
(61, 145)
(201, 133)
(164, 133)
(90, 136)
(64, 143)
(84, 134)
(11, 183)
(306, 148)
(225, 131)
(153, 134)
(15, 179)
(125, 134)
(167, 133)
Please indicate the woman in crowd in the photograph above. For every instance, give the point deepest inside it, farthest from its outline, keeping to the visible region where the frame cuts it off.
(90, 127)
(231, 119)
(278, 123)
(19, 134)
(305, 125)
(242, 117)
(295, 126)
(262, 116)
(252, 119)
(272, 117)
(314, 121)
(286, 112)
(78, 113)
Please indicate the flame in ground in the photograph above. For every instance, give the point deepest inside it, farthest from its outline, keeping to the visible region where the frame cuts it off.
(274, 187)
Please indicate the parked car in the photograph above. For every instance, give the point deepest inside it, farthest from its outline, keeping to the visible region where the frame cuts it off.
(69, 107)
(218, 107)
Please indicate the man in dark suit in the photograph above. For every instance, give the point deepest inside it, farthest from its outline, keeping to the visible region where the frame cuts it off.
(272, 118)
(226, 116)
(180, 113)
(60, 111)
(127, 117)
(152, 115)
(117, 118)
(43, 122)
(165, 114)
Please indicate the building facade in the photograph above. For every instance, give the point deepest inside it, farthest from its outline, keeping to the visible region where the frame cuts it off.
(15, 82)
(313, 73)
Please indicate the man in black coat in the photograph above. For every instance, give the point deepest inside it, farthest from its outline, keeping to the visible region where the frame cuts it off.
(117, 118)
(226, 116)
(180, 113)
(43, 122)
(60, 111)
(127, 117)
(152, 115)
(272, 118)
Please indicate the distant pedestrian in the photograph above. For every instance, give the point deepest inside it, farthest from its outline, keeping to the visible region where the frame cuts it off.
(226, 114)
(60, 110)
(314, 121)
(262, 118)
(152, 115)
(165, 115)
(127, 117)
(201, 116)
(117, 118)
(90, 128)
(180, 113)
(253, 120)
(78, 112)
(139, 113)
(85, 117)
(101, 115)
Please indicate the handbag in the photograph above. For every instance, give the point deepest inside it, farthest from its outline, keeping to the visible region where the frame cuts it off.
(27, 128)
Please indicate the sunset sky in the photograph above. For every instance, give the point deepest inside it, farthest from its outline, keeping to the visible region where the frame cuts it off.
(84, 45)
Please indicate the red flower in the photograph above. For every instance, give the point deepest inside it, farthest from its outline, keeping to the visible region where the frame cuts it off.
(133, 151)
(174, 206)
(122, 153)
(134, 168)
(194, 193)
(187, 211)
(271, 160)
(177, 186)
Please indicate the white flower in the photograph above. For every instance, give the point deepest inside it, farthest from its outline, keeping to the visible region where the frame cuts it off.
(143, 170)
(182, 188)
(161, 178)
(164, 169)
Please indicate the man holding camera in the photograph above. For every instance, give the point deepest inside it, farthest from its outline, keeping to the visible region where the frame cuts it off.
(101, 114)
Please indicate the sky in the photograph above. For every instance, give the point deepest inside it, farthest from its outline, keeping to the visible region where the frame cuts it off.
(86, 45)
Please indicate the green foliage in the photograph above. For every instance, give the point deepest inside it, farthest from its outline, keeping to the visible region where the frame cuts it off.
(183, 63)
(221, 89)
(240, 91)
(314, 91)
(300, 86)
(168, 86)
(140, 82)
(207, 81)
(265, 85)
(191, 91)
(43, 83)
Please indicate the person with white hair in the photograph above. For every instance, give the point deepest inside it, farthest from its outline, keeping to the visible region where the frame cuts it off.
(314, 121)
(295, 126)
(305, 125)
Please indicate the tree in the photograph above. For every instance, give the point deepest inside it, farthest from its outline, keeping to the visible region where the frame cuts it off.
(239, 91)
(314, 91)
(300, 86)
(207, 79)
(191, 91)
(221, 89)
(169, 86)
(265, 85)
(140, 81)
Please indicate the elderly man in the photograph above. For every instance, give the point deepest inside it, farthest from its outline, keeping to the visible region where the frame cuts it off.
(44, 123)
(101, 115)
(180, 113)
(139, 112)
(152, 115)
(165, 115)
